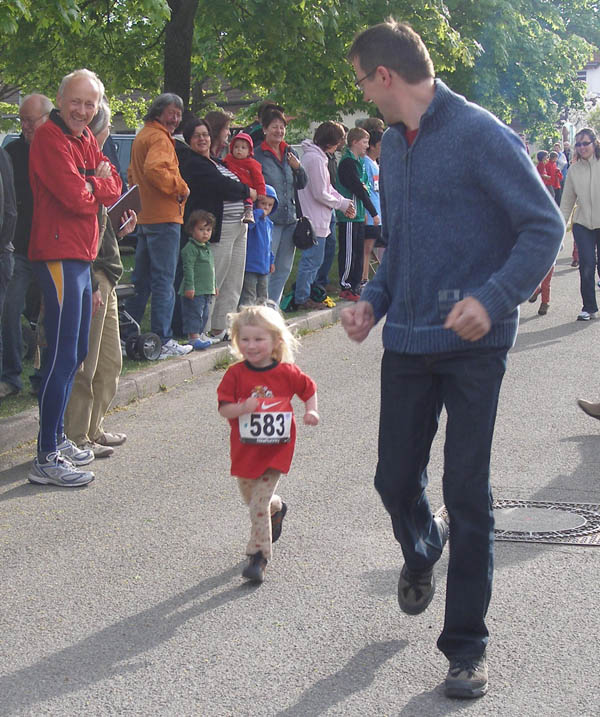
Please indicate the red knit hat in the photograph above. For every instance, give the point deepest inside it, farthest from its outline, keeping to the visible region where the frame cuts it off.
(246, 138)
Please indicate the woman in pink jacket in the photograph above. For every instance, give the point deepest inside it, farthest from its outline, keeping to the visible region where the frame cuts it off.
(317, 200)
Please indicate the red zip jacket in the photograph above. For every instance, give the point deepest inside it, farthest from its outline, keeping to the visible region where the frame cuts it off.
(64, 212)
(555, 174)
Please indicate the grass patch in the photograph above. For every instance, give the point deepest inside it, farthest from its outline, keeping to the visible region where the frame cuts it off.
(224, 362)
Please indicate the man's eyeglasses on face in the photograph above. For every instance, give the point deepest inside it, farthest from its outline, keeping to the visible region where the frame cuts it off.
(358, 83)
(583, 144)
(32, 120)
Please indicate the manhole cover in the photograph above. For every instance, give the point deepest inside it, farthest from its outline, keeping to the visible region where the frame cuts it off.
(541, 522)
(523, 519)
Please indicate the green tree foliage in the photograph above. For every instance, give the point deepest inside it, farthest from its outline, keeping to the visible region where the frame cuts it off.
(7, 112)
(593, 120)
(516, 57)
(121, 40)
(529, 54)
(295, 51)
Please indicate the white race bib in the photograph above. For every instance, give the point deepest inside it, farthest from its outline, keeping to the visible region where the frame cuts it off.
(271, 422)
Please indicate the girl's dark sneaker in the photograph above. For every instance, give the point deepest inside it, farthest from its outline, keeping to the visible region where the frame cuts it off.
(276, 522)
(255, 570)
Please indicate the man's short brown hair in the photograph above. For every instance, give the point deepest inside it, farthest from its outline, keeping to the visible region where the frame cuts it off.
(394, 45)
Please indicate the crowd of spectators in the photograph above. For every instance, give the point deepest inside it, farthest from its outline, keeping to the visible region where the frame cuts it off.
(58, 196)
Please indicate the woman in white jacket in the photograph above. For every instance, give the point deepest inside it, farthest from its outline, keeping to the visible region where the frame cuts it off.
(317, 200)
(582, 188)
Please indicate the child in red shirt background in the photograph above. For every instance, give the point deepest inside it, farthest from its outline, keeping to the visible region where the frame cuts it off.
(552, 178)
(556, 176)
(255, 396)
(240, 161)
(542, 168)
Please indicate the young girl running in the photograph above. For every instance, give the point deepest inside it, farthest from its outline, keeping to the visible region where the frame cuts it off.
(255, 395)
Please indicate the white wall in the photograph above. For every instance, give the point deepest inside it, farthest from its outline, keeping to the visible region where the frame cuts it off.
(593, 81)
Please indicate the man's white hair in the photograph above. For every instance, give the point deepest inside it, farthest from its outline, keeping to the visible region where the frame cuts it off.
(45, 103)
(88, 74)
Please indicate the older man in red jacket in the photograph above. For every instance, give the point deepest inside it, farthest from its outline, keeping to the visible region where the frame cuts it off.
(70, 178)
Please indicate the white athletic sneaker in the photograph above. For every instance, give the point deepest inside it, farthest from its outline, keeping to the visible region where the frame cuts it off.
(172, 348)
(58, 471)
(212, 339)
(77, 456)
(586, 316)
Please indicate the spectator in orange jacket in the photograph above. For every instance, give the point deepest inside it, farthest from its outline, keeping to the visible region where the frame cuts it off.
(155, 169)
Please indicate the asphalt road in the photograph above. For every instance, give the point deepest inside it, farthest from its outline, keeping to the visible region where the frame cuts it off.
(125, 597)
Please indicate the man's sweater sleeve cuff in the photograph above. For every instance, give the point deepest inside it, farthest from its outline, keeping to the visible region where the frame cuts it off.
(378, 301)
(494, 300)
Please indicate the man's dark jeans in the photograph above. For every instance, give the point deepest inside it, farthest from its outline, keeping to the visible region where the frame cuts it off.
(414, 388)
(12, 357)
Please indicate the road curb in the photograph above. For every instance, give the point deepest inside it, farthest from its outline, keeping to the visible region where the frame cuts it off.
(159, 376)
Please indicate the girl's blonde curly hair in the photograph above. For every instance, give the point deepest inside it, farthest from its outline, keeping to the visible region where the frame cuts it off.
(269, 318)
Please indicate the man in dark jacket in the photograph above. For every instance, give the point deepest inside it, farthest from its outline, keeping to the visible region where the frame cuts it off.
(33, 112)
(468, 242)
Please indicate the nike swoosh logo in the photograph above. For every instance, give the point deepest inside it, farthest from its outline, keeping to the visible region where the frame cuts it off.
(266, 406)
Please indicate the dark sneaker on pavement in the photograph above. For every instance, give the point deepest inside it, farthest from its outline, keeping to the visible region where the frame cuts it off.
(467, 677)
(58, 471)
(415, 590)
(277, 522)
(255, 570)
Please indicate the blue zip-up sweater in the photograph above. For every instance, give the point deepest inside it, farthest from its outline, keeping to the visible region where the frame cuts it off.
(259, 256)
(464, 213)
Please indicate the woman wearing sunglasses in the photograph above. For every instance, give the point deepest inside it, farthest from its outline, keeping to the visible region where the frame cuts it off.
(582, 188)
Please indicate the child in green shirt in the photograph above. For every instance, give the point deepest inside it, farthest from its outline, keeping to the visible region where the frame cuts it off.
(198, 286)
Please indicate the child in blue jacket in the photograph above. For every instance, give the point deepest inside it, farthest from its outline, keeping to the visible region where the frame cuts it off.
(259, 257)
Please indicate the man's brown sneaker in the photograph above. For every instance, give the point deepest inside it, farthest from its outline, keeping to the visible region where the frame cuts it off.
(467, 677)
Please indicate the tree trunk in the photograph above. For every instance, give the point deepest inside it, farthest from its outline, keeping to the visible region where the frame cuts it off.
(179, 35)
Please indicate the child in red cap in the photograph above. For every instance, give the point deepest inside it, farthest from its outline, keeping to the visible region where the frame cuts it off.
(246, 169)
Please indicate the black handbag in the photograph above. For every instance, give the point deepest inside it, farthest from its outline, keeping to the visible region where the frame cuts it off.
(304, 234)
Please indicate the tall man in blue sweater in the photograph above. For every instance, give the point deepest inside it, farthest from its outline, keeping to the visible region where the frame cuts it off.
(468, 241)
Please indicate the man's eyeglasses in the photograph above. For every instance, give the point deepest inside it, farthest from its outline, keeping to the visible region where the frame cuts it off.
(32, 120)
(583, 144)
(358, 83)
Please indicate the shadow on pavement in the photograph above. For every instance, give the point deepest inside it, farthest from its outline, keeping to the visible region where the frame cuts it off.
(355, 676)
(25, 489)
(548, 336)
(111, 651)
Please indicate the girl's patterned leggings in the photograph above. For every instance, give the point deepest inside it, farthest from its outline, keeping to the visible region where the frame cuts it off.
(259, 495)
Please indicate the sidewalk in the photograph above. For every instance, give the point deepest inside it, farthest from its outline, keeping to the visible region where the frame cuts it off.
(158, 376)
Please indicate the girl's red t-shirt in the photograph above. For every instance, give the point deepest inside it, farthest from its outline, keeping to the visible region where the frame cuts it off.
(282, 380)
